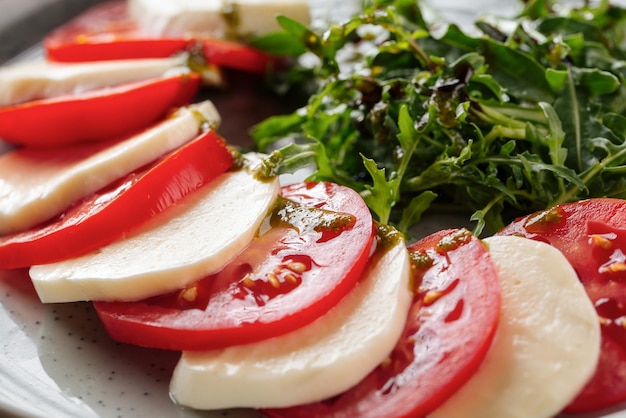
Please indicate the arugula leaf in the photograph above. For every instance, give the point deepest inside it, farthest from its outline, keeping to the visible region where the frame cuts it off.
(384, 192)
(380, 195)
(520, 72)
(279, 43)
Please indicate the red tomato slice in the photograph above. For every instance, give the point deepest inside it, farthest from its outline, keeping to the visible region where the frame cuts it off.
(592, 235)
(106, 32)
(236, 56)
(448, 333)
(121, 207)
(96, 115)
(286, 278)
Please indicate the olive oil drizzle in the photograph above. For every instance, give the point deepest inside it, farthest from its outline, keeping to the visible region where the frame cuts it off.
(288, 213)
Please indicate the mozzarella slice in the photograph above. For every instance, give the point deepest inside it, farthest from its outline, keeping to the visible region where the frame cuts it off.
(315, 362)
(258, 17)
(42, 79)
(217, 18)
(192, 239)
(37, 184)
(547, 343)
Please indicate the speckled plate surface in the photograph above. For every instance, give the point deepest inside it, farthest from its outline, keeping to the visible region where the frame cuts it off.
(56, 360)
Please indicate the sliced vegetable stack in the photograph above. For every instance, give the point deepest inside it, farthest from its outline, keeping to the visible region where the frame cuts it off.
(69, 119)
(316, 361)
(106, 31)
(89, 102)
(591, 235)
(40, 183)
(547, 342)
(135, 29)
(450, 327)
(112, 212)
(104, 65)
(302, 299)
(320, 240)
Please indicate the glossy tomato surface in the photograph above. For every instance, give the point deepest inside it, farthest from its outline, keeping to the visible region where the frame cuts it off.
(592, 236)
(237, 56)
(449, 330)
(312, 255)
(121, 207)
(96, 115)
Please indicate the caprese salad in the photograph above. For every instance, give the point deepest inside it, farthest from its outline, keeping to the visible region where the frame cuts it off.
(291, 299)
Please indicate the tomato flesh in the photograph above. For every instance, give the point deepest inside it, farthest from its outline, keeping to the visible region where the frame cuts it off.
(96, 115)
(449, 330)
(119, 208)
(592, 236)
(288, 276)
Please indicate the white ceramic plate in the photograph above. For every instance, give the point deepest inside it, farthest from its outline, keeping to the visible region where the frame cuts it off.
(56, 360)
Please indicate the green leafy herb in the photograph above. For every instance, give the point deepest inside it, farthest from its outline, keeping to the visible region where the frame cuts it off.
(515, 118)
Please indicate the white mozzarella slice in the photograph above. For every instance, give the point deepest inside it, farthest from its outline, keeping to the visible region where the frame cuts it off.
(37, 184)
(547, 343)
(42, 79)
(258, 17)
(180, 17)
(192, 239)
(218, 18)
(313, 363)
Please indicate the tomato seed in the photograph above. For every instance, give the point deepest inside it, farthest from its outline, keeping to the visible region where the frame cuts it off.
(273, 279)
(601, 241)
(296, 267)
(190, 294)
(431, 297)
(248, 282)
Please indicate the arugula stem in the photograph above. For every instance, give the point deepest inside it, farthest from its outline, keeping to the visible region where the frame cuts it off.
(493, 116)
(593, 172)
(576, 119)
(500, 131)
(397, 27)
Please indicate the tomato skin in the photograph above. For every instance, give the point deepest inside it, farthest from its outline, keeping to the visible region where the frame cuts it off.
(285, 279)
(113, 212)
(590, 233)
(96, 115)
(106, 32)
(236, 56)
(449, 330)
(117, 50)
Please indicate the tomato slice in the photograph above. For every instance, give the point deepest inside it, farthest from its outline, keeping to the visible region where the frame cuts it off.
(96, 115)
(288, 276)
(237, 56)
(106, 32)
(121, 207)
(449, 330)
(592, 236)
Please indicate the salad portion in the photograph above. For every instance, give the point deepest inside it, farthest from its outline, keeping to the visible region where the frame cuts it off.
(310, 297)
(505, 118)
